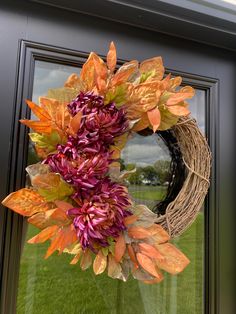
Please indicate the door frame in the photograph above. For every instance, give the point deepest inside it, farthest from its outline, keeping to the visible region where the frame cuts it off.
(212, 22)
(29, 52)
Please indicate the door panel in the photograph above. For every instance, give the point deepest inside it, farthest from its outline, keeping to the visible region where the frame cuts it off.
(62, 35)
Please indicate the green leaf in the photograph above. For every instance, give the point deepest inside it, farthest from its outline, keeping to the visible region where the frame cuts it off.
(60, 192)
(111, 247)
(167, 119)
(117, 95)
(47, 142)
(105, 251)
(147, 75)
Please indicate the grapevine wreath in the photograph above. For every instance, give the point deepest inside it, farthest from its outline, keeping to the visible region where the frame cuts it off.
(78, 195)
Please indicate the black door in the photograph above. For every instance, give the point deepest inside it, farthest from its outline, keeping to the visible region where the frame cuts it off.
(40, 47)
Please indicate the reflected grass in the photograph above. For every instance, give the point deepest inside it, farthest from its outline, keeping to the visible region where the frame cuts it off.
(53, 286)
(154, 193)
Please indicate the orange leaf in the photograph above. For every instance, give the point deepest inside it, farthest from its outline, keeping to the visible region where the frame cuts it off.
(41, 113)
(175, 82)
(124, 72)
(87, 74)
(156, 280)
(111, 57)
(132, 255)
(180, 110)
(166, 82)
(158, 233)
(150, 251)
(74, 82)
(59, 217)
(138, 233)
(41, 219)
(100, 263)
(38, 126)
(25, 202)
(76, 258)
(63, 238)
(58, 112)
(120, 248)
(44, 235)
(154, 117)
(54, 216)
(86, 260)
(142, 124)
(148, 265)
(100, 67)
(63, 205)
(75, 123)
(45, 180)
(153, 64)
(175, 261)
(130, 220)
(175, 98)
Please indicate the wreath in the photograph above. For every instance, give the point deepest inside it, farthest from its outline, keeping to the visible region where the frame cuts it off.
(78, 195)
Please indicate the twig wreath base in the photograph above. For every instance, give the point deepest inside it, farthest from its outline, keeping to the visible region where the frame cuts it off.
(181, 212)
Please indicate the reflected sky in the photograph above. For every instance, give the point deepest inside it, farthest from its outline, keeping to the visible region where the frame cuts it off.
(140, 150)
(50, 75)
(145, 150)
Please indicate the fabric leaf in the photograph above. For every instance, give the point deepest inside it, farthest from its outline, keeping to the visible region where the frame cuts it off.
(147, 264)
(44, 235)
(38, 126)
(154, 64)
(154, 117)
(100, 263)
(150, 251)
(124, 72)
(86, 260)
(175, 98)
(137, 232)
(120, 248)
(57, 192)
(130, 220)
(132, 255)
(111, 57)
(54, 216)
(174, 262)
(76, 258)
(26, 202)
(158, 234)
(114, 269)
(47, 142)
(179, 110)
(75, 123)
(41, 113)
(62, 239)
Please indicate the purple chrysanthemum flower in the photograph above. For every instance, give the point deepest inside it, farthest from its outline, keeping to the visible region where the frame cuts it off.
(82, 173)
(101, 122)
(102, 216)
(83, 161)
(85, 102)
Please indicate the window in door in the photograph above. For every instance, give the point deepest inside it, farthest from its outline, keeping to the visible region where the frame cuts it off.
(54, 286)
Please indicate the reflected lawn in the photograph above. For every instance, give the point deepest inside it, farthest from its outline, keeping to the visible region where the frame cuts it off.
(53, 286)
(155, 193)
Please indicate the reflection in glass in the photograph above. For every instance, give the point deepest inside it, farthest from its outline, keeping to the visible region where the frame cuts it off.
(198, 108)
(53, 286)
(151, 158)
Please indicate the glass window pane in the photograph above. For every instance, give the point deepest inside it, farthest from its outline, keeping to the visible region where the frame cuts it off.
(54, 286)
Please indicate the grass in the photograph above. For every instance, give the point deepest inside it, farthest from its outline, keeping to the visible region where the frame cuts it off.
(53, 286)
(155, 193)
